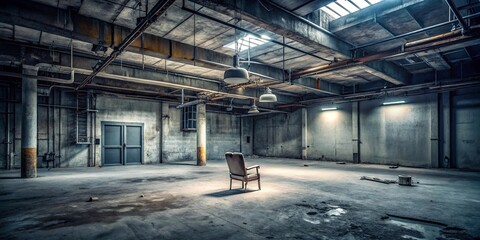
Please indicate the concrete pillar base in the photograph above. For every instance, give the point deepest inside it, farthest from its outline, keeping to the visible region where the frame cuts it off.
(29, 163)
(201, 156)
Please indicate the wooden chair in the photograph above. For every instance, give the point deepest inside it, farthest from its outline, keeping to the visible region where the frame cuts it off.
(238, 171)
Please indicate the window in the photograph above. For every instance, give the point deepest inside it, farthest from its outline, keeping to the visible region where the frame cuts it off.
(189, 120)
(342, 8)
(248, 41)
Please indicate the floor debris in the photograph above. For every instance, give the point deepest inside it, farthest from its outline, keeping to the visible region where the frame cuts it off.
(340, 162)
(374, 179)
(93, 199)
(393, 167)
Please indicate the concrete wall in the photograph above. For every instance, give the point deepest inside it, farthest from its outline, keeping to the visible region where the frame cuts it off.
(278, 135)
(247, 136)
(113, 109)
(223, 135)
(397, 134)
(466, 129)
(177, 145)
(330, 133)
(419, 133)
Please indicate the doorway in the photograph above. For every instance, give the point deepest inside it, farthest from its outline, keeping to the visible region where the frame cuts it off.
(122, 143)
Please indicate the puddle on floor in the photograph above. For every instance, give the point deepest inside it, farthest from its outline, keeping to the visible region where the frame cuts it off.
(427, 230)
(322, 214)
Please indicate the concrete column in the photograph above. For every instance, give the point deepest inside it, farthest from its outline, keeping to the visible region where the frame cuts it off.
(29, 122)
(445, 118)
(356, 132)
(201, 135)
(304, 134)
(434, 130)
(165, 130)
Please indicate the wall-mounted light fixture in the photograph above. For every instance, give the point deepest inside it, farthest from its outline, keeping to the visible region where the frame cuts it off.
(393, 102)
(329, 108)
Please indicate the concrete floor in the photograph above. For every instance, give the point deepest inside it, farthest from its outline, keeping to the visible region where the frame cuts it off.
(299, 200)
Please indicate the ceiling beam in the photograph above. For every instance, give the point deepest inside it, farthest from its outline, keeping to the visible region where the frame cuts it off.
(151, 17)
(86, 29)
(310, 6)
(44, 18)
(282, 22)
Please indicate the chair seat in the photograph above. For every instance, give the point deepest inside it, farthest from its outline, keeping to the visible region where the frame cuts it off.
(249, 177)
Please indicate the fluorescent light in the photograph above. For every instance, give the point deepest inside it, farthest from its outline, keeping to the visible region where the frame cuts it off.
(329, 108)
(394, 102)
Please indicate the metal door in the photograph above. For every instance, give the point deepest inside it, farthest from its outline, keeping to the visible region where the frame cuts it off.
(122, 143)
(133, 144)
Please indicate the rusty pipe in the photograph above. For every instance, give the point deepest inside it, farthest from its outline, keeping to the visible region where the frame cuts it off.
(411, 47)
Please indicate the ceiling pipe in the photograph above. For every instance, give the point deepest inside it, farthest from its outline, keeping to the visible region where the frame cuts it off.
(151, 17)
(47, 68)
(162, 84)
(457, 14)
(414, 32)
(11, 62)
(412, 47)
(191, 103)
(136, 80)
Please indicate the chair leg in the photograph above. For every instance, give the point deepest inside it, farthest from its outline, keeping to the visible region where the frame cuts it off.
(230, 184)
(245, 187)
(259, 188)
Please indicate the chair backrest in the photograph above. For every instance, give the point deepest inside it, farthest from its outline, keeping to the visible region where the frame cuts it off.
(236, 163)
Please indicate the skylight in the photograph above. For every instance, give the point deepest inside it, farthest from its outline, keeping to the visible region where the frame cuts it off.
(248, 41)
(342, 8)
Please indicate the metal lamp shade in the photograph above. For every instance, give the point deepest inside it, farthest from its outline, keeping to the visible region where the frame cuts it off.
(268, 96)
(236, 75)
(253, 109)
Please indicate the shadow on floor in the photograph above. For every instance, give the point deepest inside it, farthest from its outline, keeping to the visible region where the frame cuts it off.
(226, 193)
(183, 163)
(10, 177)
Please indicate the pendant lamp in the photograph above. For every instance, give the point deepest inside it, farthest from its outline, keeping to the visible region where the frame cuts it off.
(268, 96)
(253, 109)
(236, 74)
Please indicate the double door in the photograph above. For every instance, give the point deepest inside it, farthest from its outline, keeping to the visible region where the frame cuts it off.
(122, 143)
